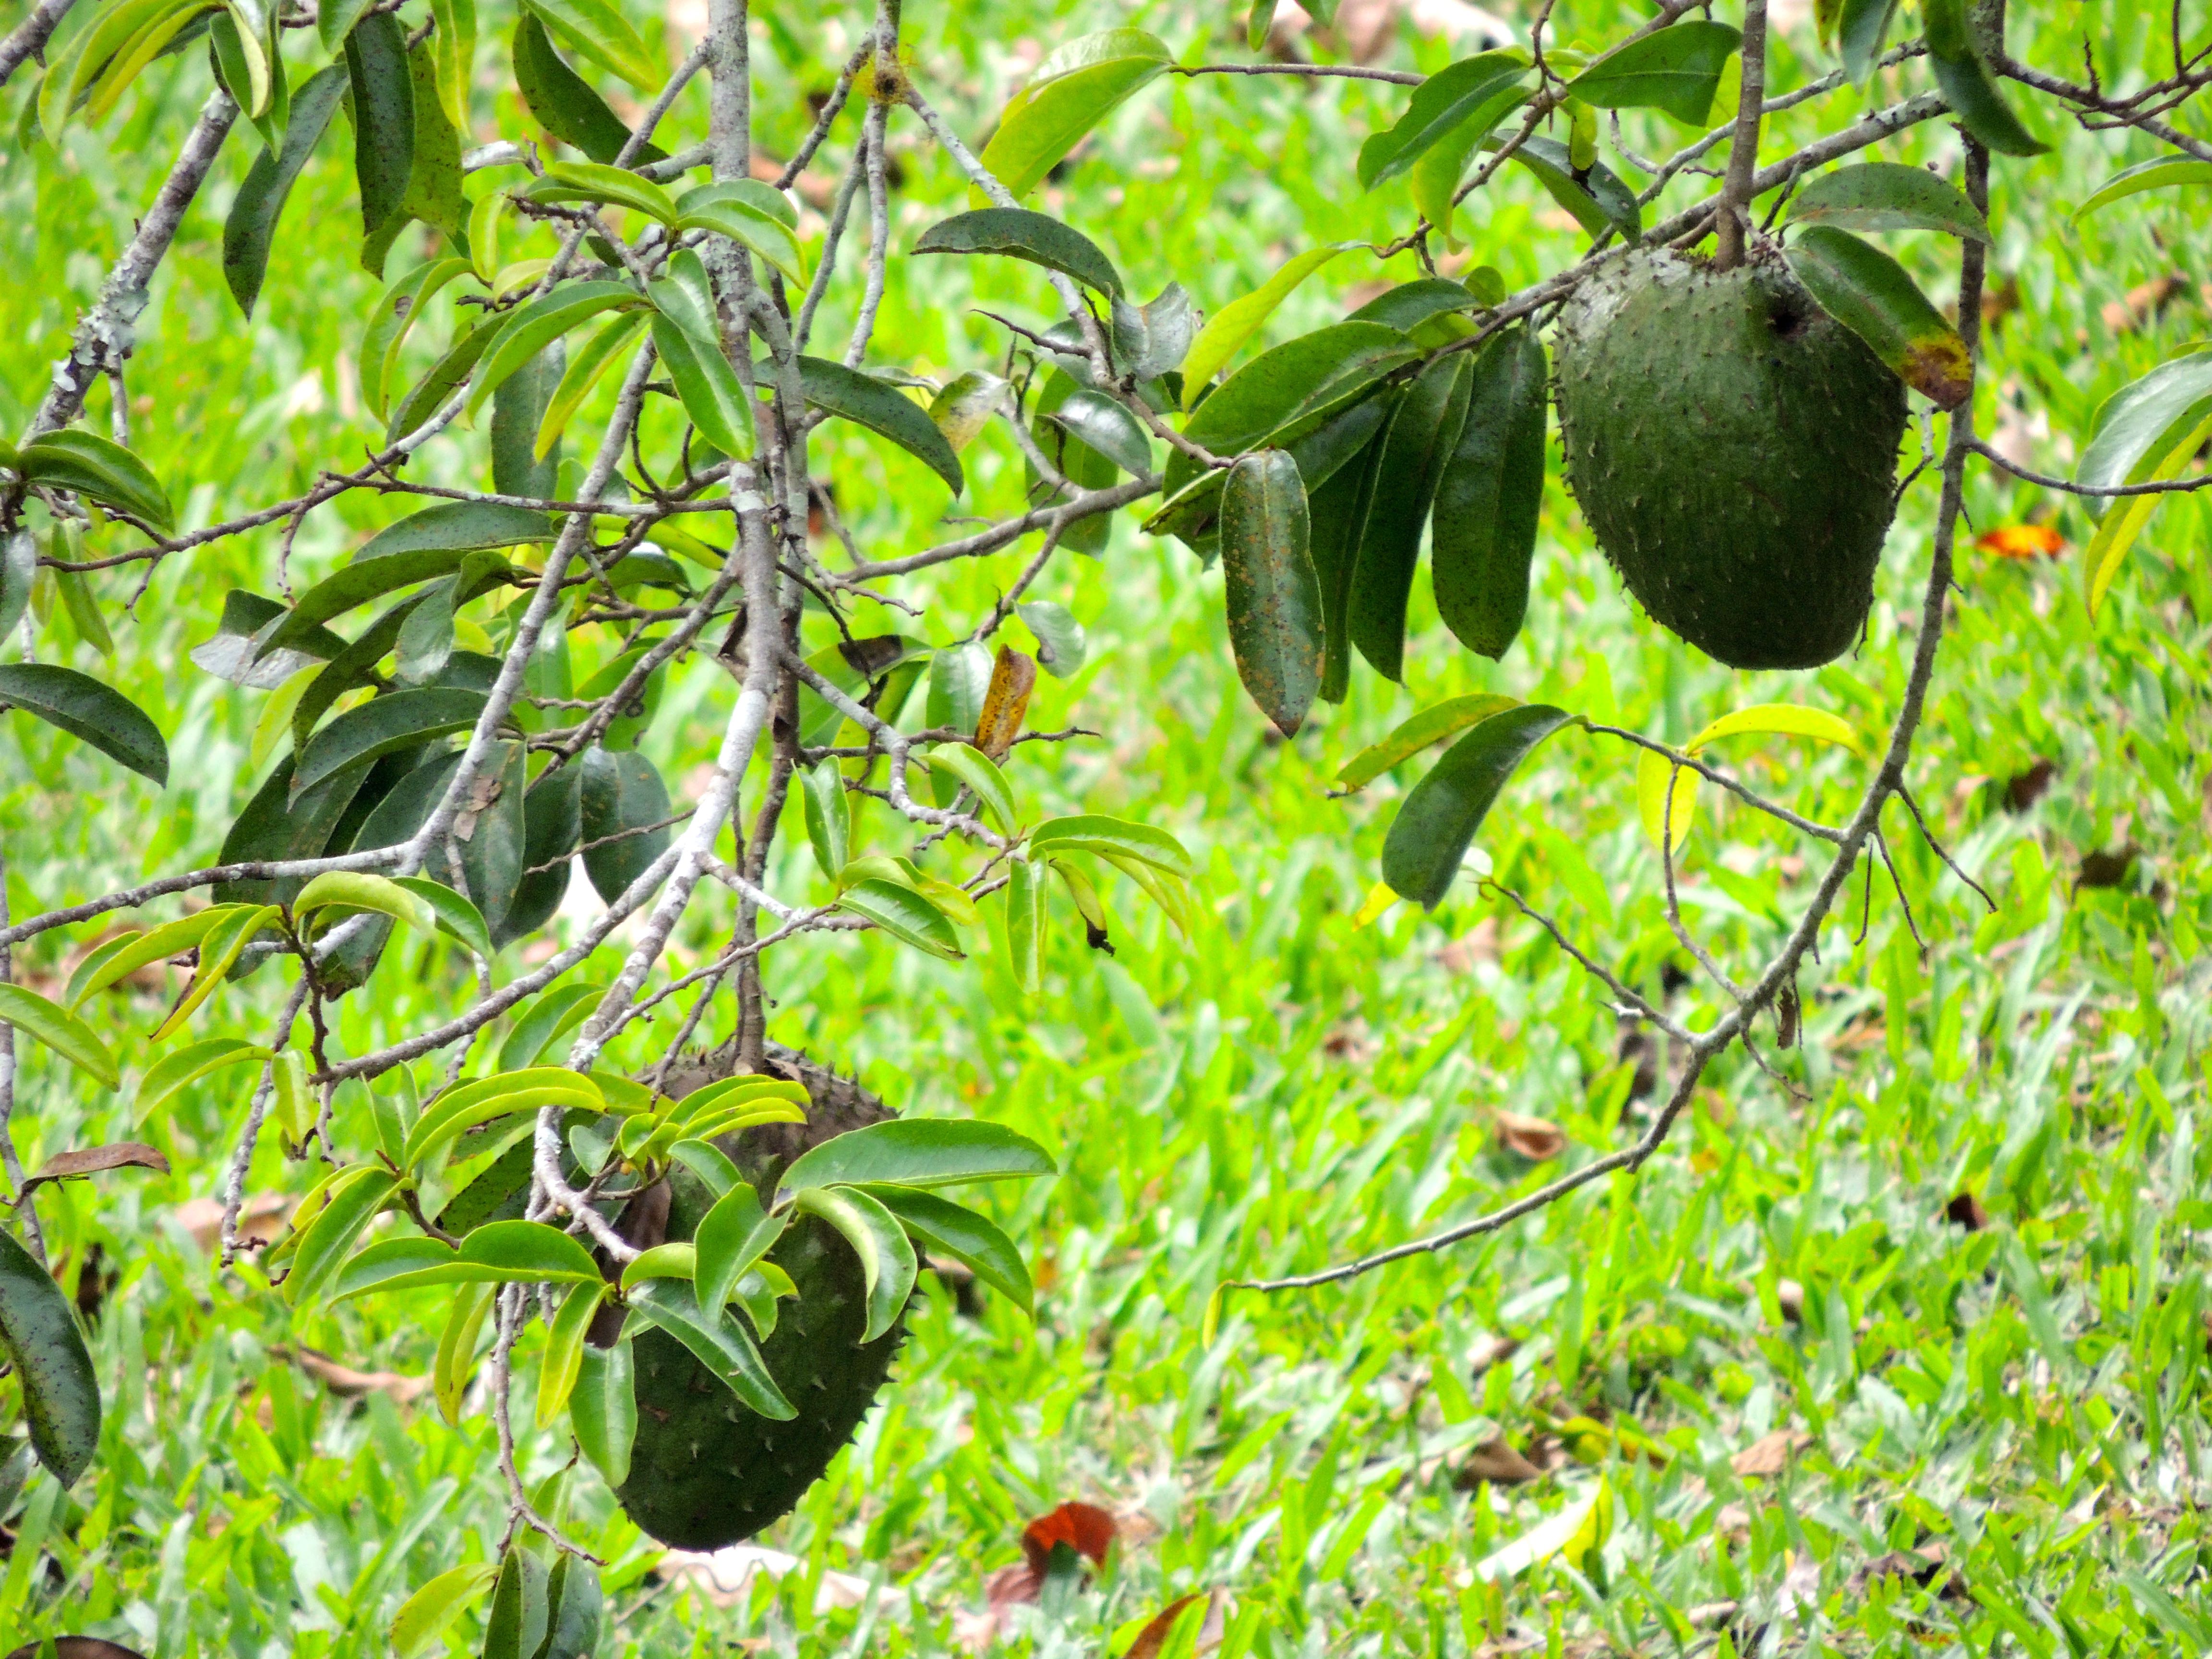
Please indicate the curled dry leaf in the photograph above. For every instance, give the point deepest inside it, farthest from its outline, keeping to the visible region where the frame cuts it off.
(1154, 1636)
(348, 1383)
(93, 1160)
(1538, 1140)
(1770, 1455)
(1013, 677)
(1496, 1463)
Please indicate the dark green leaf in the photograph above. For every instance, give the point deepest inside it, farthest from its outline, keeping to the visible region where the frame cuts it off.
(85, 708)
(444, 379)
(887, 1266)
(574, 1605)
(531, 327)
(1273, 598)
(61, 1393)
(1439, 104)
(1107, 427)
(399, 719)
(517, 1624)
(904, 914)
(251, 225)
(600, 31)
(1430, 836)
(383, 114)
(1337, 511)
(517, 410)
(231, 654)
(73, 458)
(949, 1230)
(1077, 461)
(334, 21)
(1966, 84)
(1889, 196)
(852, 396)
(492, 854)
(552, 817)
(1409, 305)
(1676, 70)
(1599, 201)
(621, 792)
(918, 1151)
(563, 102)
(1860, 27)
(275, 827)
(1432, 726)
(434, 175)
(716, 1340)
(1483, 533)
(1422, 433)
(1022, 234)
(708, 388)
(632, 717)
(2161, 173)
(1871, 295)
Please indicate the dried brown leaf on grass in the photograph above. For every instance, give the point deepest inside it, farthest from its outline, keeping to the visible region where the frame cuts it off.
(1770, 1453)
(1536, 1139)
(344, 1381)
(1494, 1461)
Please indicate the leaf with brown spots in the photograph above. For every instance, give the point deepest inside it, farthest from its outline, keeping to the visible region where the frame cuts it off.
(1013, 677)
(1869, 294)
(96, 1160)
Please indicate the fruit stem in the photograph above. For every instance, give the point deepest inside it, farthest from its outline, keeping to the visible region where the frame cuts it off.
(1743, 147)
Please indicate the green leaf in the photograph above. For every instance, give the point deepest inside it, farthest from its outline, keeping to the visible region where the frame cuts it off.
(904, 914)
(707, 387)
(1061, 641)
(981, 773)
(383, 115)
(453, 46)
(60, 1389)
(81, 706)
(98, 467)
(1890, 196)
(1430, 836)
(887, 1260)
(531, 327)
(219, 951)
(1072, 91)
(1860, 27)
(1227, 329)
(1074, 459)
(351, 1202)
(251, 228)
(335, 20)
(828, 816)
(586, 368)
(19, 569)
(518, 416)
(1598, 201)
(1432, 726)
(918, 1152)
(1272, 596)
(518, 1620)
(852, 396)
(553, 819)
(83, 609)
(1094, 833)
(1025, 919)
(732, 1237)
(60, 1030)
(1422, 432)
(620, 792)
(1483, 531)
(1437, 175)
(603, 1410)
(1966, 85)
(2146, 432)
(184, 1066)
(120, 957)
(1021, 235)
(595, 181)
(112, 49)
(1871, 295)
(721, 209)
(599, 31)
(456, 526)
(719, 1343)
(1675, 70)
(1409, 305)
(1439, 104)
(949, 1230)
(427, 1613)
(563, 102)
(555, 1013)
(491, 858)
(574, 1604)
(2161, 173)
(1342, 464)
(383, 726)
(1095, 419)
(354, 890)
(662, 1261)
(456, 1362)
(462, 1108)
(1788, 720)
(499, 1252)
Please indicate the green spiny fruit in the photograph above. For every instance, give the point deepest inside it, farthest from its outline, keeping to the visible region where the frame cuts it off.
(705, 1471)
(1735, 450)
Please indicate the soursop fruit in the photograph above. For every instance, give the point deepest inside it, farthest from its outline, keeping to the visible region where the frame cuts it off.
(705, 1471)
(1733, 449)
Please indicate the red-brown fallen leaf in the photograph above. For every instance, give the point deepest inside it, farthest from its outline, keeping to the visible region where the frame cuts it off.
(1154, 1636)
(1771, 1455)
(93, 1160)
(1536, 1139)
(1084, 1528)
(2022, 541)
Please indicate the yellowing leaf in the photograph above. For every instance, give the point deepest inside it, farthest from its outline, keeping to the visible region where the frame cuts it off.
(1652, 770)
(1380, 898)
(1787, 718)
(1228, 329)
